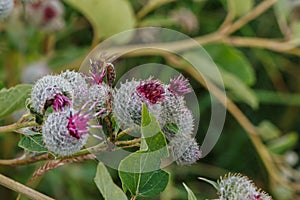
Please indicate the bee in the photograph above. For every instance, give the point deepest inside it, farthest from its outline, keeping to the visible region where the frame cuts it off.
(103, 68)
(110, 74)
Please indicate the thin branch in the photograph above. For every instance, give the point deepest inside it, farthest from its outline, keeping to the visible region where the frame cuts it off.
(124, 132)
(22, 189)
(128, 142)
(254, 13)
(104, 146)
(52, 164)
(271, 44)
(16, 126)
(25, 161)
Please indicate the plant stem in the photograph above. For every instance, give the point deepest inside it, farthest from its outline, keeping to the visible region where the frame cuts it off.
(15, 126)
(24, 161)
(124, 132)
(103, 146)
(272, 44)
(128, 142)
(254, 13)
(22, 189)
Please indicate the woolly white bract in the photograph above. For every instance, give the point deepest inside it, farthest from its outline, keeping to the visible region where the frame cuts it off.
(79, 87)
(46, 88)
(57, 137)
(6, 7)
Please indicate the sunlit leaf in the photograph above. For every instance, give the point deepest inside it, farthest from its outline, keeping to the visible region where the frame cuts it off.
(242, 7)
(105, 184)
(233, 61)
(13, 99)
(238, 8)
(107, 17)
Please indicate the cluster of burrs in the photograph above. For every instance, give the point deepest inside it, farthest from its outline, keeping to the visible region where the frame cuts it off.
(167, 103)
(236, 186)
(68, 101)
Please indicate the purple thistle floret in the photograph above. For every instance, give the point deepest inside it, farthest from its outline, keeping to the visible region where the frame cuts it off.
(151, 90)
(77, 125)
(78, 122)
(97, 72)
(60, 101)
(179, 86)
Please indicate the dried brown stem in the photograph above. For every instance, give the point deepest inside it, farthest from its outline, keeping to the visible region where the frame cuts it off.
(52, 164)
(22, 189)
(25, 161)
(15, 126)
(128, 142)
(251, 15)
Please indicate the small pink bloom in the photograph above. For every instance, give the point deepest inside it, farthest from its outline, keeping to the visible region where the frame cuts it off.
(179, 86)
(152, 90)
(78, 122)
(59, 102)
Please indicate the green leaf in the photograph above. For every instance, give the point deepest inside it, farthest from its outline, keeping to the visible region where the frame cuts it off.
(282, 11)
(191, 195)
(233, 61)
(107, 17)
(238, 90)
(284, 143)
(105, 184)
(296, 30)
(140, 172)
(238, 8)
(33, 143)
(233, 80)
(242, 7)
(145, 184)
(268, 131)
(13, 99)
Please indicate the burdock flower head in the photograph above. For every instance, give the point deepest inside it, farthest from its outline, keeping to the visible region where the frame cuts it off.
(6, 7)
(184, 149)
(236, 186)
(79, 87)
(50, 91)
(175, 110)
(128, 100)
(65, 133)
(179, 86)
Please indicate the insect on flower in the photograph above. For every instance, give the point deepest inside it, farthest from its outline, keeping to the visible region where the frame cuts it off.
(99, 69)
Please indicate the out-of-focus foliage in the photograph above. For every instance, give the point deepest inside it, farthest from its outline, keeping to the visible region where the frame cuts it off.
(263, 82)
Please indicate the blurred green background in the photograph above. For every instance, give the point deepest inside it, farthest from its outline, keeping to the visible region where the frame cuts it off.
(261, 78)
